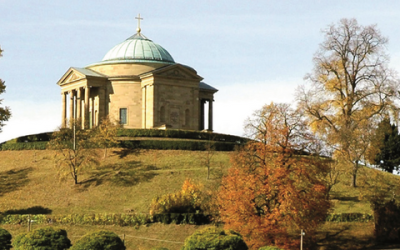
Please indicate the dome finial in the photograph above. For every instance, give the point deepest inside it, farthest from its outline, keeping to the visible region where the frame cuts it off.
(138, 28)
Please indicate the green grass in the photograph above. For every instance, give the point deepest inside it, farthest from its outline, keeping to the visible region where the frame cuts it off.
(127, 180)
(119, 184)
(346, 199)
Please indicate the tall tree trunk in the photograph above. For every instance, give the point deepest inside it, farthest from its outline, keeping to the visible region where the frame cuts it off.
(354, 175)
(353, 180)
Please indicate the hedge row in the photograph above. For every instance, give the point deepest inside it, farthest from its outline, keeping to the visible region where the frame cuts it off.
(40, 145)
(350, 217)
(33, 138)
(174, 144)
(182, 218)
(106, 219)
(142, 219)
(144, 144)
(181, 134)
(80, 219)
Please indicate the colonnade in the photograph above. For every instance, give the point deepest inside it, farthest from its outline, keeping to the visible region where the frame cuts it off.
(79, 109)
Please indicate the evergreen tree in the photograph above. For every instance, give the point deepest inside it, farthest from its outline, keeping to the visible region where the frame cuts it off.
(388, 143)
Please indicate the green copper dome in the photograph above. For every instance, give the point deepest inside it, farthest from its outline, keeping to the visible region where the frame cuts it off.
(138, 48)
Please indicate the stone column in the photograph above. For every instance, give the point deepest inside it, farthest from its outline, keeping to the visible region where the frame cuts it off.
(87, 95)
(93, 124)
(63, 110)
(201, 127)
(71, 108)
(78, 104)
(210, 115)
(144, 107)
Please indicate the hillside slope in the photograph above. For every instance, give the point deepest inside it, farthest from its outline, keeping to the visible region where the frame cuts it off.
(127, 181)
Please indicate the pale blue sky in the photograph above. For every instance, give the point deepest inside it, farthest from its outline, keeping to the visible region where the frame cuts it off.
(254, 52)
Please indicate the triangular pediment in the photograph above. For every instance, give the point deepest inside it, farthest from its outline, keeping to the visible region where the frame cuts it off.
(71, 75)
(76, 74)
(175, 71)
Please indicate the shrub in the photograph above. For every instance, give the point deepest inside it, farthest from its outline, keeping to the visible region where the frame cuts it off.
(184, 218)
(269, 248)
(43, 239)
(216, 239)
(188, 200)
(5, 239)
(102, 240)
(350, 217)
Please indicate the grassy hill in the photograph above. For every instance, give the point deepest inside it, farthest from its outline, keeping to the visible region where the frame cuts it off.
(127, 181)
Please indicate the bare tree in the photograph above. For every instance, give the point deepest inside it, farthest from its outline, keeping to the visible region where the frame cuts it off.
(209, 154)
(278, 116)
(5, 112)
(74, 151)
(350, 87)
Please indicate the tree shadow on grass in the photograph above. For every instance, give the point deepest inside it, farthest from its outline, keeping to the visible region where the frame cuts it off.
(31, 210)
(13, 180)
(345, 198)
(126, 151)
(342, 238)
(124, 175)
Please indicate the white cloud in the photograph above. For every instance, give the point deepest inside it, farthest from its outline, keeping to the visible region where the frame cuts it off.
(235, 103)
(30, 118)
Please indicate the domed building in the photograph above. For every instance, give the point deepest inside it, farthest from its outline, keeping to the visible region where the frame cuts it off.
(138, 83)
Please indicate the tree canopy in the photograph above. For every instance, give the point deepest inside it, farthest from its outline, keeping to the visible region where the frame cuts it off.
(350, 87)
(271, 191)
(5, 112)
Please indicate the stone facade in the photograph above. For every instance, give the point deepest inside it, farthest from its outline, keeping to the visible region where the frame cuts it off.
(139, 94)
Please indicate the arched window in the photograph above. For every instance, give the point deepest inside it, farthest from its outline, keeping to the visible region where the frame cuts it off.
(187, 117)
(162, 114)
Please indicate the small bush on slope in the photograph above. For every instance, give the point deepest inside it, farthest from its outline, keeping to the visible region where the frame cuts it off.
(5, 239)
(216, 239)
(101, 240)
(43, 239)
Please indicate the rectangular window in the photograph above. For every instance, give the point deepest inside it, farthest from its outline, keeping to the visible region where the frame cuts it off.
(123, 116)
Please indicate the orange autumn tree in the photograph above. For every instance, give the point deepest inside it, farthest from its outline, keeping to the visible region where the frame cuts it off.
(272, 191)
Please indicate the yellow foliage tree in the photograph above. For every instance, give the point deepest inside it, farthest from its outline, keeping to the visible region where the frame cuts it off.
(105, 135)
(351, 86)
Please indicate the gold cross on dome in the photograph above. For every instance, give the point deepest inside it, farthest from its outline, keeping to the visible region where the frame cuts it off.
(138, 28)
